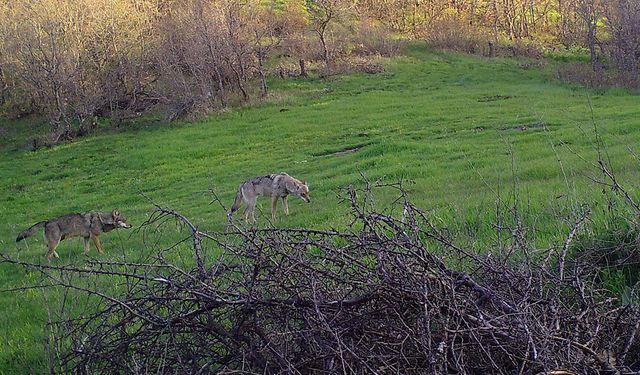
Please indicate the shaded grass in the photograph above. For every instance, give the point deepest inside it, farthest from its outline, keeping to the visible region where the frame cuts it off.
(464, 129)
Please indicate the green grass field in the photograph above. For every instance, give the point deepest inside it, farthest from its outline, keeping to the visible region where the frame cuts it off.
(464, 129)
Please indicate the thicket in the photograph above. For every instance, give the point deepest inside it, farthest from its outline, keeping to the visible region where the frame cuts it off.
(77, 61)
(394, 292)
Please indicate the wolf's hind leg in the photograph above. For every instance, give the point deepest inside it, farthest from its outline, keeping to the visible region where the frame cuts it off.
(274, 206)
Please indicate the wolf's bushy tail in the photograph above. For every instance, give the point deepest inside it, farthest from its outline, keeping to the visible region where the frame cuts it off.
(31, 231)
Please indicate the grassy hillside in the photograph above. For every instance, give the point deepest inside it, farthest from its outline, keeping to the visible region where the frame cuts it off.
(463, 128)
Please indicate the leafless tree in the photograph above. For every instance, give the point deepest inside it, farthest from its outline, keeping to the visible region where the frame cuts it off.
(239, 57)
(623, 20)
(75, 59)
(588, 10)
(268, 29)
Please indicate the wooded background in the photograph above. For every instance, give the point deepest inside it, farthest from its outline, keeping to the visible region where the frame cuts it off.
(76, 61)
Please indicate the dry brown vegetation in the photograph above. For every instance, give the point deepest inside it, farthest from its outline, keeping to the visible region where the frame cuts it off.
(74, 61)
(78, 60)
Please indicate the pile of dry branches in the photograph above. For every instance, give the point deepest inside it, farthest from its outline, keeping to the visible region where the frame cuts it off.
(388, 295)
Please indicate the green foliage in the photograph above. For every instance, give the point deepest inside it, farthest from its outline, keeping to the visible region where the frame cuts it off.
(614, 247)
(614, 281)
(617, 282)
(465, 130)
(574, 53)
(629, 296)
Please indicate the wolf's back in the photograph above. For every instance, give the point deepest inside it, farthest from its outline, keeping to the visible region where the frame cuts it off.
(31, 231)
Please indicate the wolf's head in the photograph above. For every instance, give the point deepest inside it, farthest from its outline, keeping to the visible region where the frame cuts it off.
(119, 220)
(303, 192)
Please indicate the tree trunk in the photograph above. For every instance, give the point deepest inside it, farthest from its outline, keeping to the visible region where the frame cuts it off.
(263, 80)
(325, 52)
(591, 42)
(3, 87)
(236, 73)
(495, 21)
(303, 70)
(221, 92)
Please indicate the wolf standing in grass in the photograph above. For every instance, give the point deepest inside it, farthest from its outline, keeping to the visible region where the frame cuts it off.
(276, 186)
(88, 225)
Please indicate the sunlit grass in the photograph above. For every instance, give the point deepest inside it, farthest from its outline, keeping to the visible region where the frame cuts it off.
(463, 130)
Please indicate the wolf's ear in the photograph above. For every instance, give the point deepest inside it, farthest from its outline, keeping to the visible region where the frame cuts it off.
(305, 183)
(115, 212)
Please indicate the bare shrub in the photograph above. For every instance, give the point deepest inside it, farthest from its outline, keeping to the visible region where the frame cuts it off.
(269, 26)
(455, 34)
(357, 47)
(211, 51)
(74, 61)
(190, 59)
(71, 57)
(351, 64)
(375, 39)
(601, 79)
(387, 295)
(623, 21)
(370, 66)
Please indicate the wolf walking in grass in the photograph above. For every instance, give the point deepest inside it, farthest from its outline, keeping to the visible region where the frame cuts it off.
(279, 185)
(88, 225)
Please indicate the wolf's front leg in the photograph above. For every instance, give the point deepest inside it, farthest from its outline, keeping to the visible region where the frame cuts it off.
(274, 204)
(86, 245)
(285, 204)
(96, 241)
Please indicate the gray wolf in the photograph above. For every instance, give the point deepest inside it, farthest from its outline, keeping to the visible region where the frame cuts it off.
(279, 185)
(88, 225)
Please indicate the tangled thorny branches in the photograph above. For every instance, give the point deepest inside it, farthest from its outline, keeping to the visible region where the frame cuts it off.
(388, 295)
